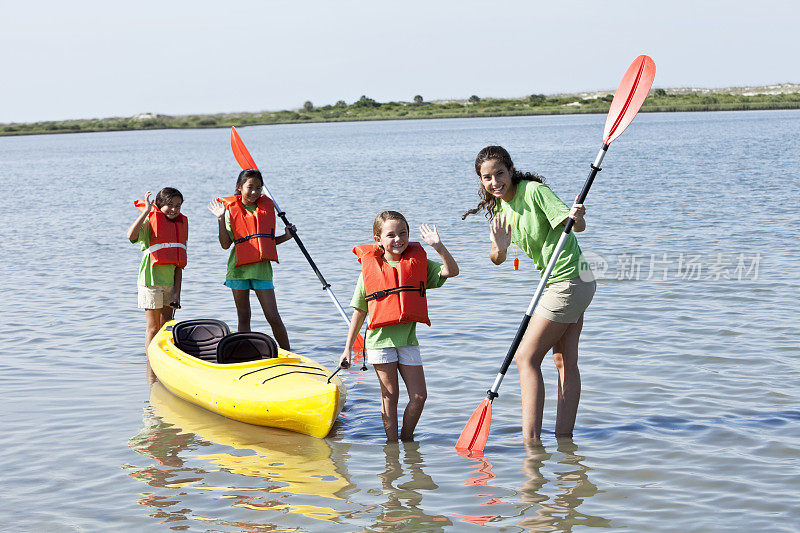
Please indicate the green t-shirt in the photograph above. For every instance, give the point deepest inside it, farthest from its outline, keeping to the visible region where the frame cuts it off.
(261, 270)
(399, 334)
(150, 274)
(536, 215)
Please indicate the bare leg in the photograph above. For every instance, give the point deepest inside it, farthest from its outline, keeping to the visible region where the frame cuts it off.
(153, 318)
(540, 336)
(151, 376)
(242, 301)
(176, 286)
(167, 314)
(156, 318)
(266, 298)
(414, 379)
(387, 377)
(565, 354)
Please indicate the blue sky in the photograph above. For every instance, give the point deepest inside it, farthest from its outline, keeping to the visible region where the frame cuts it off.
(86, 59)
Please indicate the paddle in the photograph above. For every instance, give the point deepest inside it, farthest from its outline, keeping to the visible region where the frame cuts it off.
(627, 101)
(245, 161)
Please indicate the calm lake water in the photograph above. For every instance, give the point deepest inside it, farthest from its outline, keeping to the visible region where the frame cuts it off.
(689, 417)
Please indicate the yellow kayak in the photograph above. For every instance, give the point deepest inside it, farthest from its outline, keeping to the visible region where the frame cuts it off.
(246, 377)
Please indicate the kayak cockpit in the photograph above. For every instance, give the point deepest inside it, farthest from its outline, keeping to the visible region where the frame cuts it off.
(212, 341)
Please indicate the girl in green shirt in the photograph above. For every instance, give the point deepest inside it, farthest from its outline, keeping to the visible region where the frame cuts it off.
(521, 209)
(253, 276)
(159, 286)
(393, 349)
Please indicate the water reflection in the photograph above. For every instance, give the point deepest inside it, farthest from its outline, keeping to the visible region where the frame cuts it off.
(572, 485)
(484, 470)
(401, 511)
(289, 466)
(150, 375)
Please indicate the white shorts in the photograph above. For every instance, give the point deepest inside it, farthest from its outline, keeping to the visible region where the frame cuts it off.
(404, 355)
(154, 296)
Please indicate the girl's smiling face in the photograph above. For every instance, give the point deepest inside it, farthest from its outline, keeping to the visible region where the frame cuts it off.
(172, 208)
(251, 191)
(496, 179)
(393, 239)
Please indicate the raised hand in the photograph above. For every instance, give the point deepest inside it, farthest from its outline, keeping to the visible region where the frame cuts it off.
(133, 231)
(429, 234)
(216, 208)
(500, 233)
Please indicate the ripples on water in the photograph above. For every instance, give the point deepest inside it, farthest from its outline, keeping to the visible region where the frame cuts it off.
(689, 414)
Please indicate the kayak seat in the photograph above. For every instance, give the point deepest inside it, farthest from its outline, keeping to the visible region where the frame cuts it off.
(199, 338)
(242, 347)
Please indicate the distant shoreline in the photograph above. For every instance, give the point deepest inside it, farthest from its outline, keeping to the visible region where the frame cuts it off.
(783, 96)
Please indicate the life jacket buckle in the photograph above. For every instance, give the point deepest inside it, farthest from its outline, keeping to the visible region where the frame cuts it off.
(270, 235)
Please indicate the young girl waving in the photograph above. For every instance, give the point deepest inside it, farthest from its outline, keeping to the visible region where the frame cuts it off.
(162, 232)
(395, 275)
(524, 210)
(247, 220)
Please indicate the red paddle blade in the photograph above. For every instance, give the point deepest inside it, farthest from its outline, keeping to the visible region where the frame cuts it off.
(476, 432)
(240, 151)
(629, 97)
(358, 346)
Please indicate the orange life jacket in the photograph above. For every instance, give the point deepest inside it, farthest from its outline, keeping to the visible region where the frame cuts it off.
(253, 233)
(167, 237)
(395, 294)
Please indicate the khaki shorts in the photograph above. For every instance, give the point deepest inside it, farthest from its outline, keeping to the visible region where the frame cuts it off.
(404, 355)
(154, 296)
(565, 301)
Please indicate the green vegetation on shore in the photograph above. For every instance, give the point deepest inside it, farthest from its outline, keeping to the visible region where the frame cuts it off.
(660, 100)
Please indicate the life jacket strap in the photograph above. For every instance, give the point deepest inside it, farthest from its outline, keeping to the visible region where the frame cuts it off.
(162, 245)
(403, 288)
(255, 236)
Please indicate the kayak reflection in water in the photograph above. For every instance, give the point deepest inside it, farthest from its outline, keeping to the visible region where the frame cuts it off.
(195, 451)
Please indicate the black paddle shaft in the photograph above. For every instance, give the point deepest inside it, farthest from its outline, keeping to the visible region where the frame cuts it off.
(325, 285)
(293, 233)
(595, 168)
(587, 185)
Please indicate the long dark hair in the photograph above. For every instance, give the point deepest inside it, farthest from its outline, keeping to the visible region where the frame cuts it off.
(497, 153)
(245, 175)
